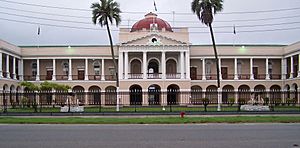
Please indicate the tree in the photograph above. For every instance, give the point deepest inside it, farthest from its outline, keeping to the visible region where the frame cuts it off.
(205, 9)
(105, 12)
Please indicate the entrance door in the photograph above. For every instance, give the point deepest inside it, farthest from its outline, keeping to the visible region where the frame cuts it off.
(80, 74)
(49, 74)
(255, 72)
(193, 73)
(224, 71)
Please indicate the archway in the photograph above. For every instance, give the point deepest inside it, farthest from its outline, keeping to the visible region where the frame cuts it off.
(287, 91)
(154, 93)
(171, 69)
(244, 93)
(79, 94)
(110, 95)
(275, 92)
(260, 92)
(294, 92)
(212, 94)
(227, 93)
(136, 95)
(153, 69)
(94, 95)
(196, 95)
(135, 69)
(173, 94)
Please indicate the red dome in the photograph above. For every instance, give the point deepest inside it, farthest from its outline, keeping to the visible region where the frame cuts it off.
(151, 18)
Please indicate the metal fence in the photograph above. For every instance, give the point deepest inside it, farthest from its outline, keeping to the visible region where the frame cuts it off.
(152, 101)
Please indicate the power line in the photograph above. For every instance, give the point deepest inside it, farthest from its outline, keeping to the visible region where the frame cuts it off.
(180, 13)
(193, 32)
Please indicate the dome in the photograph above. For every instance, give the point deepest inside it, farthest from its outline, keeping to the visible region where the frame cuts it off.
(151, 18)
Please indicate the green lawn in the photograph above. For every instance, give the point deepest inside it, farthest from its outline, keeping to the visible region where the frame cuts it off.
(152, 120)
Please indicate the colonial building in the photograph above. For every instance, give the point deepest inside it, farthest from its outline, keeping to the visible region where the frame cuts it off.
(154, 57)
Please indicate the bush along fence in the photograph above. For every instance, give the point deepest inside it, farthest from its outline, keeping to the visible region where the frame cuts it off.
(152, 101)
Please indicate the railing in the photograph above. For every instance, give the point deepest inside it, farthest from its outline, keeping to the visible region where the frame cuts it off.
(260, 77)
(62, 77)
(173, 75)
(78, 77)
(154, 75)
(110, 77)
(211, 77)
(197, 77)
(228, 77)
(135, 76)
(275, 76)
(244, 76)
(95, 77)
(29, 78)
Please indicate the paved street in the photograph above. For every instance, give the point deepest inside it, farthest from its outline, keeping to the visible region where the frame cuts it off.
(151, 136)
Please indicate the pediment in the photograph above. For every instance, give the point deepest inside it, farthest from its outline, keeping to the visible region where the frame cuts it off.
(154, 39)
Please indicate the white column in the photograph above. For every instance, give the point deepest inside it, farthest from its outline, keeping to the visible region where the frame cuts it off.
(126, 65)
(70, 69)
(54, 69)
(37, 69)
(121, 63)
(144, 65)
(203, 69)
(220, 65)
(251, 69)
(283, 68)
(267, 69)
(14, 68)
(102, 70)
(236, 76)
(163, 61)
(181, 65)
(7, 67)
(1, 70)
(21, 72)
(292, 67)
(86, 77)
(187, 59)
(298, 65)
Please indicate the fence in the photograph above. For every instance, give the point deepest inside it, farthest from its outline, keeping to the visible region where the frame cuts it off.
(152, 101)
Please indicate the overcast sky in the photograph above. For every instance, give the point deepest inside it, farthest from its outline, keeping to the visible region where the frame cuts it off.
(285, 21)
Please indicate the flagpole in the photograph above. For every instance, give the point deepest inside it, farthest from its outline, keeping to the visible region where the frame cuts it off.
(234, 35)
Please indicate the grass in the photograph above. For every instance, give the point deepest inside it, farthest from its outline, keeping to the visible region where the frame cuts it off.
(152, 120)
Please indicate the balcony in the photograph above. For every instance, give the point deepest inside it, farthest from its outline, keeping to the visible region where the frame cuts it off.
(135, 76)
(244, 76)
(173, 76)
(29, 78)
(95, 77)
(154, 75)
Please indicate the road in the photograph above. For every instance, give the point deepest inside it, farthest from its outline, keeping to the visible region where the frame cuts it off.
(151, 136)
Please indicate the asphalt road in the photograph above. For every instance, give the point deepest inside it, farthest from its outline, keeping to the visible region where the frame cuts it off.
(151, 136)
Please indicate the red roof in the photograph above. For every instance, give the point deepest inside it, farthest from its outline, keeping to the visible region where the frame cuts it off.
(151, 18)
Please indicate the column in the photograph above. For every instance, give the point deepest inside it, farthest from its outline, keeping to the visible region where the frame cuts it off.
(236, 76)
(126, 65)
(37, 69)
(267, 69)
(7, 67)
(1, 70)
(21, 72)
(54, 70)
(203, 69)
(14, 68)
(251, 69)
(86, 77)
(220, 65)
(292, 67)
(163, 61)
(102, 70)
(187, 61)
(144, 65)
(298, 65)
(70, 69)
(181, 65)
(121, 63)
(283, 68)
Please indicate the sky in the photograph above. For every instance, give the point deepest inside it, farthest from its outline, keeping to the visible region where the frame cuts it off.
(255, 21)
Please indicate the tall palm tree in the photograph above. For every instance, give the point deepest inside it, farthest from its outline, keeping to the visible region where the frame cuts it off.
(205, 9)
(107, 12)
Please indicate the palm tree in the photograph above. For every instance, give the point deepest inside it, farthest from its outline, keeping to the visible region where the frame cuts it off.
(107, 12)
(205, 9)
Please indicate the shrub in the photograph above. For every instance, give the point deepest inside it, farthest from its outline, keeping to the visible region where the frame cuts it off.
(231, 101)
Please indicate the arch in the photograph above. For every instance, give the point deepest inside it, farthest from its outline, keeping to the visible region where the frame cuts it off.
(227, 93)
(5, 87)
(153, 66)
(110, 95)
(196, 95)
(212, 93)
(275, 88)
(171, 66)
(244, 93)
(259, 88)
(94, 97)
(136, 95)
(154, 93)
(79, 94)
(260, 92)
(287, 90)
(12, 88)
(275, 92)
(135, 66)
(173, 94)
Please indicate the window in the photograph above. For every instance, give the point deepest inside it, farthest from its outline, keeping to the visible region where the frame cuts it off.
(208, 70)
(96, 67)
(270, 70)
(239, 67)
(65, 66)
(34, 69)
